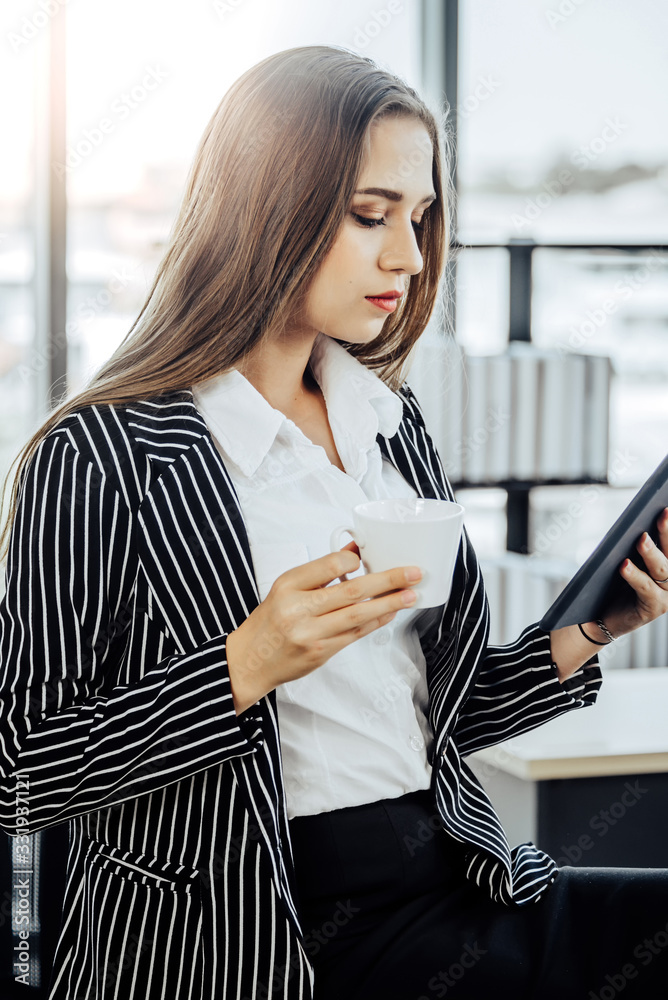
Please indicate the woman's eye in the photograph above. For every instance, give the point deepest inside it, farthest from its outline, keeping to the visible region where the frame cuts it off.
(370, 223)
(365, 221)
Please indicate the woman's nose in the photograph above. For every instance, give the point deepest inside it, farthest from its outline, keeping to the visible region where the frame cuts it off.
(402, 252)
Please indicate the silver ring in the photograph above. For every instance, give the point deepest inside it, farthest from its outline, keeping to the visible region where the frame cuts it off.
(661, 581)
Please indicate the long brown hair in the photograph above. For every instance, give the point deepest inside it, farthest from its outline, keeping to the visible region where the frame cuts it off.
(270, 185)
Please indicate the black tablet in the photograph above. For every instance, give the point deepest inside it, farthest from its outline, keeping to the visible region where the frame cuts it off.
(598, 581)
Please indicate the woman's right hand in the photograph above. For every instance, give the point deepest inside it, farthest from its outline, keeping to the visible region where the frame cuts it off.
(303, 622)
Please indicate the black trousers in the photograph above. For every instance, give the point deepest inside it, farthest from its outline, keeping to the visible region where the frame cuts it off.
(387, 913)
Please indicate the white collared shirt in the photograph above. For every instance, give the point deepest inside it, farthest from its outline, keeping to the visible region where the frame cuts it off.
(355, 729)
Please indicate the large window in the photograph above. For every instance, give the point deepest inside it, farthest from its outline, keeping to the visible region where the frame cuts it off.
(18, 118)
(560, 112)
(134, 124)
(559, 142)
(142, 81)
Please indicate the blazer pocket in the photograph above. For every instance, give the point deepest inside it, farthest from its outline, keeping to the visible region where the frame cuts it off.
(131, 906)
(272, 559)
(149, 871)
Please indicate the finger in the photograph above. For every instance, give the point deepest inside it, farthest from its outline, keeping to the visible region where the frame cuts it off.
(651, 598)
(353, 546)
(356, 618)
(333, 644)
(317, 574)
(662, 525)
(362, 589)
(345, 638)
(320, 572)
(655, 560)
(633, 574)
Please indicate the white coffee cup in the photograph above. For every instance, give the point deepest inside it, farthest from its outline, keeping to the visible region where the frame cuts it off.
(408, 532)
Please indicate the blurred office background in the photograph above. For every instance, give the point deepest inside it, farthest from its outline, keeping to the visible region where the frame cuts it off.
(556, 111)
(557, 114)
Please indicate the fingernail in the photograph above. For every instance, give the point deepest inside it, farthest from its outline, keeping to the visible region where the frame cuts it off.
(408, 596)
(414, 573)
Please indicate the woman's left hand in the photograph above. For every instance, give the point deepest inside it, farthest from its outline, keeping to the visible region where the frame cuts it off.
(650, 585)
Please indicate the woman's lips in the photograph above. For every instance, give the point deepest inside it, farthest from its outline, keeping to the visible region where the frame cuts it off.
(388, 305)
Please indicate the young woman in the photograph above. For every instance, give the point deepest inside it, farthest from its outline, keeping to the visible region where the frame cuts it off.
(188, 683)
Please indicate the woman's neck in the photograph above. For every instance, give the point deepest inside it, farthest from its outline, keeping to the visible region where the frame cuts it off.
(288, 385)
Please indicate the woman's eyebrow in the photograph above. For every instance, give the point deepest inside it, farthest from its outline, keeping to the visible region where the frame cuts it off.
(394, 195)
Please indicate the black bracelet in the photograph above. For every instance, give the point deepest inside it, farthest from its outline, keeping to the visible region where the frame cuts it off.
(595, 641)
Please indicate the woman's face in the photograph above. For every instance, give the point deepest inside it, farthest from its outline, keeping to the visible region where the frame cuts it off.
(378, 244)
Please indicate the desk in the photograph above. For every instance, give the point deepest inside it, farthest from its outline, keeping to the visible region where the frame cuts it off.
(591, 787)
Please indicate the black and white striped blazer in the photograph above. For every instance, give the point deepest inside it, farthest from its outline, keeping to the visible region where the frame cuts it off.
(128, 566)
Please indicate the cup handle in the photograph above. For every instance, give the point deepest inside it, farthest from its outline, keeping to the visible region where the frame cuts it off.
(335, 541)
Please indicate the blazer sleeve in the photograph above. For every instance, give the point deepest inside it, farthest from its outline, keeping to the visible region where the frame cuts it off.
(73, 740)
(518, 689)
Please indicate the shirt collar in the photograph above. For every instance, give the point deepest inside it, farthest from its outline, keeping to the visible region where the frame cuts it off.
(239, 417)
(358, 401)
(359, 406)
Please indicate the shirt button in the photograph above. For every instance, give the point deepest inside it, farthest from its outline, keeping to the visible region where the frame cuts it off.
(416, 743)
(381, 636)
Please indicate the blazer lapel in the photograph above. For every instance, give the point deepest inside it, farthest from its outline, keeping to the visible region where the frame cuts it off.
(439, 629)
(193, 542)
(194, 550)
